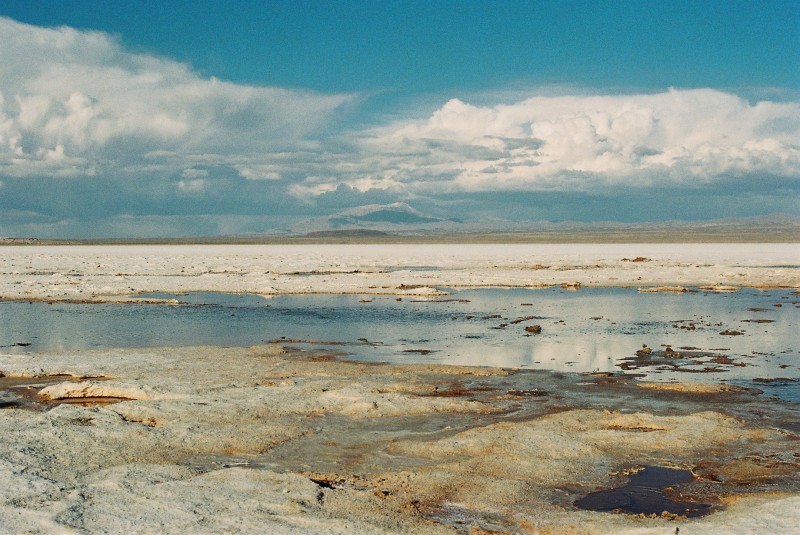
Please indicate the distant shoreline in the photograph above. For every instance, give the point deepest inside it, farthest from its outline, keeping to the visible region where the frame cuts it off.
(638, 235)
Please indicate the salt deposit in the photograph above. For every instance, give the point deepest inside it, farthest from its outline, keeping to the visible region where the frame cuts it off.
(115, 272)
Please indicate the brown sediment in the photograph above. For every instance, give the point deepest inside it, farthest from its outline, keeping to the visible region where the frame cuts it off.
(420, 351)
(89, 401)
(725, 359)
(457, 389)
(523, 319)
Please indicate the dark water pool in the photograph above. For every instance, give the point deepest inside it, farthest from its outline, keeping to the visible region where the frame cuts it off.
(585, 330)
(644, 494)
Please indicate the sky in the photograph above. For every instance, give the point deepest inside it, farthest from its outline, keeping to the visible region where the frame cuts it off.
(177, 118)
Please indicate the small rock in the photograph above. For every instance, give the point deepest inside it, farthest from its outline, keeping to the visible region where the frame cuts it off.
(644, 352)
(731, 333)
(536, 329)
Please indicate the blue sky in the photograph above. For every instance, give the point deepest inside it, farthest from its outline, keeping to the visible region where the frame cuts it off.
(145, 118)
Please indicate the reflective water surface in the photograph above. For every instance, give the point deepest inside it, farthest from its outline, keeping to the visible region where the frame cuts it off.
(586, 330)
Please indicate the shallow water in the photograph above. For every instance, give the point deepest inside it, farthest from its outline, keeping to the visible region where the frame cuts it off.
(644, 494)
(585, 330)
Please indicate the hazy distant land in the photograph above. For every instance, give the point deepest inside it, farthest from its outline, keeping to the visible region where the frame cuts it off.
(756, 230)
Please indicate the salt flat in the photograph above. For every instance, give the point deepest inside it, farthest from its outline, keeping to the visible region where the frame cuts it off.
(104, 272)
(273, 440)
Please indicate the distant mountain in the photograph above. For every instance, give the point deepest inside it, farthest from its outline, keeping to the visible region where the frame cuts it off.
(397, 216)
(398, 213)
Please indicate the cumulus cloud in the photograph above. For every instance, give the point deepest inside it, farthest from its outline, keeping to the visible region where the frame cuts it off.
(579, 143)
(76, 103)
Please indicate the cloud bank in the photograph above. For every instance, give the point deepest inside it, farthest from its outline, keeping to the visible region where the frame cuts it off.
(580, 143)
(76, 103)
(91, 130)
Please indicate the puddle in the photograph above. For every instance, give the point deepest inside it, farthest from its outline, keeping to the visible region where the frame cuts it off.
(21, 393)
(645, 494)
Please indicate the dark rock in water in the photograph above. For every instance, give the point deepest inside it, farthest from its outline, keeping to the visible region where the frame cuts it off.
(731, 333)
(644, 352)
(644, 494)
(535, 329)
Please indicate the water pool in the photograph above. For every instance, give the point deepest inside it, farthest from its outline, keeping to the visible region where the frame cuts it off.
(586, 330)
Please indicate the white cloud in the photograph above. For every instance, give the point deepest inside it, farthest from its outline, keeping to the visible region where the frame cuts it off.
(585, 142)
(193, 186)
(81, 99)
(258, 172)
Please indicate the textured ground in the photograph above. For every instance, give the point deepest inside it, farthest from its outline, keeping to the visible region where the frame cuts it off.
(206, 439)
(221, 440)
